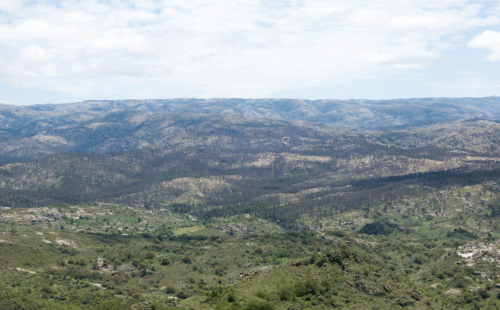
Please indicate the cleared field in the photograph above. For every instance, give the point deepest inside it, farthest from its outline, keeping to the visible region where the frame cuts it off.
(187, 230)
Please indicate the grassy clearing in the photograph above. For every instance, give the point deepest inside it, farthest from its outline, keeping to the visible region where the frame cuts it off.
(187, 230)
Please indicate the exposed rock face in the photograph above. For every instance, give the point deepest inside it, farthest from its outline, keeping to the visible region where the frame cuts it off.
(369, 289)
(479, 251)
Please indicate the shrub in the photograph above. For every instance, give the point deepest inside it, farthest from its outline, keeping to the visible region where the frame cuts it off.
(262, 295)
(306, 288)
(109, 285)
(461, 233)
(326, 285)
(158, 306)
(483, 293)
(186, 260)
(286, 294)
(11, 303)
(219, 271)
(460, 282)
(170, 289)
(111, 305)
(119, 277)
(376, 228)
(418, 260)
(468, 297)
(337, 233)
(218, 292)
(338, 256)
(165, 262)
(262, 305)
(138, 264)
(47, 289)
(182, 295)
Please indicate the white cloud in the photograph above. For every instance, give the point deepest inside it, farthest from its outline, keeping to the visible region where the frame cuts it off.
(34, 27)
(35, 53)
(120, 39)
(224, 48)
(9, 5)
(489, 40)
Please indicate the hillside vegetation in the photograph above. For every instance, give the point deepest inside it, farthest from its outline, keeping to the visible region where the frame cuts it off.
(129, 205)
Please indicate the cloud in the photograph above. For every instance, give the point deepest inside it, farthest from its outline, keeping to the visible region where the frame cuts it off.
(240, 48)
(35, 53)
(9, 5)
(489, 40)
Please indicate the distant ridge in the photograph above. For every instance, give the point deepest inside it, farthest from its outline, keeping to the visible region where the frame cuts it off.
(108, 126)
(360, 113)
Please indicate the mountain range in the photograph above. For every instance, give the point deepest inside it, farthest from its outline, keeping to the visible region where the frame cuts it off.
(96, 127)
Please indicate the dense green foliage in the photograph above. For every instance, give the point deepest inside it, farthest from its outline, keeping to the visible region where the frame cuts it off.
(246, 262)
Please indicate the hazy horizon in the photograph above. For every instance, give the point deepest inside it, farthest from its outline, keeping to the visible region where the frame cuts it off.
(70, 51)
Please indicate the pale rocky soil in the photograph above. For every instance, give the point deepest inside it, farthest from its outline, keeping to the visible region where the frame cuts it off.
(266, 159)
(474, 252)
(194, 189)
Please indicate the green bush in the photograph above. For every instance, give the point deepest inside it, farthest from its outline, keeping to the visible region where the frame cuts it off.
(14, 304)
(460, 282)
(468, 297)
(119, 277)
(111, 305)
(262, 305)
(218, 292)
(483, 293)
(165, 262)
(158, 306)
(326, 285)
(109, 285)
(286, 293)
(376, 228)
(306, 288)
(170, 289)
(219, 271)
(182, 295)
(47, 289)
(262, 295)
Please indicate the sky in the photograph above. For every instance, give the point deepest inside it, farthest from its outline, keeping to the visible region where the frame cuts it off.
(67, 51)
